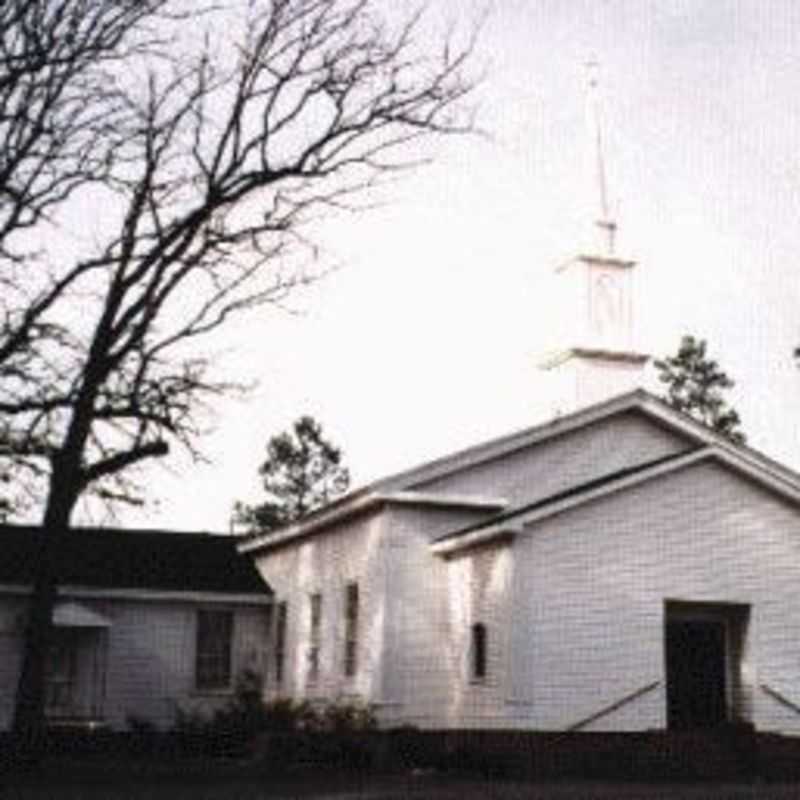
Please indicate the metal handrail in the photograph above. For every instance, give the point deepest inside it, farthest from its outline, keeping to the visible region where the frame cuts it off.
(780, 697)
(617, 704)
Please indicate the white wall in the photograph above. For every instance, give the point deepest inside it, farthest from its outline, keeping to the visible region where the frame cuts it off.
(406, 659)
(426, 615)
(149, 659)
(574, 605)
(415, 608)
(480, 582)
(587, 601)
(352, 551)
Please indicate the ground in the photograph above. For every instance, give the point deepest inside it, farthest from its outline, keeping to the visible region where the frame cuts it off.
(430, 787)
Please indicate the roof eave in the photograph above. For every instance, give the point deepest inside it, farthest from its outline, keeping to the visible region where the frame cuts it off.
(447, 546)
(365, 504)
(638, 400)
(148, 595)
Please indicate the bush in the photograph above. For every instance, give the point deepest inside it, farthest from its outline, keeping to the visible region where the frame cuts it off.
(289, 731)
(348, 718)
(143, 737)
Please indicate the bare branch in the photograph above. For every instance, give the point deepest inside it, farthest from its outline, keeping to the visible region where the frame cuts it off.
(206, 168)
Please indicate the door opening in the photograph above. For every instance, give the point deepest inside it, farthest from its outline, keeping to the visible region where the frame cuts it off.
(703, 646)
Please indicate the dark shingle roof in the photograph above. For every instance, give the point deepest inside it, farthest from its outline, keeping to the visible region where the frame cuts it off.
(113, 558)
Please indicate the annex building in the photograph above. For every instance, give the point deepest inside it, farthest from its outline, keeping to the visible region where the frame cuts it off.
(147, 624)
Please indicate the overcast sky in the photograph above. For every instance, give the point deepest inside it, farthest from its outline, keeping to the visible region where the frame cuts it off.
(426, 338)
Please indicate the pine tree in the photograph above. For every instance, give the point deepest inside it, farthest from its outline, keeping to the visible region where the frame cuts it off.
(302, 472)
(695, 385)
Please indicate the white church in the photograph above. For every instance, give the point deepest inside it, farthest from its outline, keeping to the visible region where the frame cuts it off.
(619, 567)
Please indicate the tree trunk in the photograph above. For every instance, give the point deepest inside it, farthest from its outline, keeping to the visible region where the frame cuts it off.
(29, 712)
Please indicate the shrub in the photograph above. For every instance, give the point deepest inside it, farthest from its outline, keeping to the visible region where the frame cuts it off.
(348, 718)
(143, 737)
(329, 732)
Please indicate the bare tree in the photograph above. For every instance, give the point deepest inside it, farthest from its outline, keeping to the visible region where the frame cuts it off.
(57, 111)
(203, 166)
(56, 107)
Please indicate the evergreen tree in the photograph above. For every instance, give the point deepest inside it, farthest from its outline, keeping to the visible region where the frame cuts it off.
(695, 385)
(302, 472)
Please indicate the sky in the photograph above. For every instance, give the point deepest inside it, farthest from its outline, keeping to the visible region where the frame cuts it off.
(425, 336)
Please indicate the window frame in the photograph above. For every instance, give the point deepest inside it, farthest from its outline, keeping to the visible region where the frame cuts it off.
(479, 652)
(352, 607)
(281, 629)
(61, 672)
(314, 637)
(213, 659)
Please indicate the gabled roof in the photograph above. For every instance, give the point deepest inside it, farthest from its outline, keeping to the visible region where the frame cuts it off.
(113, 558)
(639, 401)
(571, 493)
(512, 522)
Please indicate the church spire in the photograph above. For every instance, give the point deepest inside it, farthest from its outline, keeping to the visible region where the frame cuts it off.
(600, 358)
(604, 225)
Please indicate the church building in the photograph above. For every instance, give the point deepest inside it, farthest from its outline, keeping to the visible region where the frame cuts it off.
(619, 567)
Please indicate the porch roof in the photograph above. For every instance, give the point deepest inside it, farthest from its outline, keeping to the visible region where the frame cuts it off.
(76, 615)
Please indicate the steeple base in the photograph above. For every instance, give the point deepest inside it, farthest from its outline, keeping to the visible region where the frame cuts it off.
(585, 376)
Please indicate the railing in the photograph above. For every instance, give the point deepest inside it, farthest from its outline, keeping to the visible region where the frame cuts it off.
(780, 697)
(616, 705)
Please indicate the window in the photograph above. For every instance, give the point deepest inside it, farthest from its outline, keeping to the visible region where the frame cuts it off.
(479, 646)
(213, 653)
(280, 640)
(350, 629)
(62, 670)
(315, 607)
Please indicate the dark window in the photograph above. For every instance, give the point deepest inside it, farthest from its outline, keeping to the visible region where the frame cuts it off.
(280, 640)
(62, 670)
(351, 629)
(213, 653)
(315, 632)
(479, 645)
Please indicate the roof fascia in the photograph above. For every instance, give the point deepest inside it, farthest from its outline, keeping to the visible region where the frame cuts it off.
(339, 512)
(504, 445)
(477, 502)
(639, 400)
(365, 504)
(683, 423)
(145, 595)
(371, 495)
(448, 546)
(729, 457)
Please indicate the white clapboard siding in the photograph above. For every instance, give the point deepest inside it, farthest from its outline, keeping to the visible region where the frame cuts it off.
(147, 666)
(425, 617)
(587, 604)
(552, 465)
(350, 552)
(151, 659)
(574, 603)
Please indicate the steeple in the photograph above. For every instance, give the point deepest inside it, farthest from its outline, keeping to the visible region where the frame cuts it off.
(599, 359)
(604, 224)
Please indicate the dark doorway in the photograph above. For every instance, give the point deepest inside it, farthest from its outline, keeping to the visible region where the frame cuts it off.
(696, 673)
